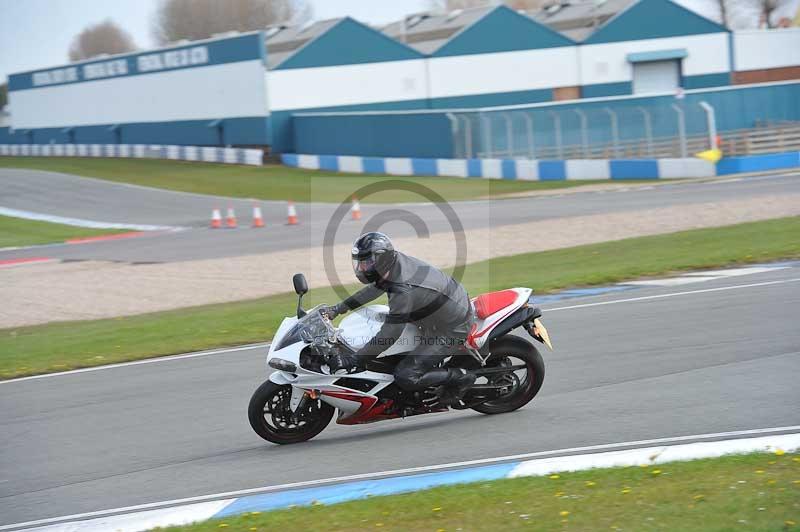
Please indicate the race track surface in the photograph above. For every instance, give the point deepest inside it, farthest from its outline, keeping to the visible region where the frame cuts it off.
(77, 197)
(700, 362)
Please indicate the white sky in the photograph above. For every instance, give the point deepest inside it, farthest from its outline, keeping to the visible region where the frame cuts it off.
(36, 33)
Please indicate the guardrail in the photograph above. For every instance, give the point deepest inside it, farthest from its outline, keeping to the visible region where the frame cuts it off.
(138, 151)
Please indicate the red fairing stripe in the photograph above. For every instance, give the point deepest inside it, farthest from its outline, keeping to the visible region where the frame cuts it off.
(471, 338)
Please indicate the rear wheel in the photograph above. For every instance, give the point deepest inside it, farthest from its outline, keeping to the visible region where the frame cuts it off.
(524, 383)
(272, 418)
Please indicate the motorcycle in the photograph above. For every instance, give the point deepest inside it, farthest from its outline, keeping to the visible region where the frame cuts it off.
(301, 395)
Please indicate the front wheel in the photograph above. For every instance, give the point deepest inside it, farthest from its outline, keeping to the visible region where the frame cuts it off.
(272, 418)
(514, 351)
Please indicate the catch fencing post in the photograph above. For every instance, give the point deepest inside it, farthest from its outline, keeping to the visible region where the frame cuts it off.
(614, 130)
(509, 134)
(648, 129)
(486, 126)
(454, 133)
(584, 131)
(467, 136)
(681, 128)
(557, 126)
(529, 132)
(712, 124)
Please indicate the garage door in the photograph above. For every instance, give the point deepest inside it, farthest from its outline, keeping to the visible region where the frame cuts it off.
(656, 76)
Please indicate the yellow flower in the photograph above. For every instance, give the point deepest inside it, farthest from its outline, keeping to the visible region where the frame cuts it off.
(255, 513)
(223, 525)
(437, 509)
(625, 491)
(699, 497)
(563, 513)
(796, 459)
(590, 483)
(779, 452)
(252, 528)
(771, 481)
(789, 523)
(378, 524)
(555, 477)
(772, 462)
(759, 471)
(655, 472)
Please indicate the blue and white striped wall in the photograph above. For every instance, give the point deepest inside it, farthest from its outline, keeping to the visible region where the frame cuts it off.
(507, 168)
(138, 151)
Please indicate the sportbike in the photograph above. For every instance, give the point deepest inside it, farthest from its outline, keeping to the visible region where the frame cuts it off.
(301, 396)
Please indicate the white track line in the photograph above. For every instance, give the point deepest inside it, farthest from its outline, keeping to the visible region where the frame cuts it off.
(257, 346)
(142, 362)
(406, 471)
(672, 294)
(28, 215)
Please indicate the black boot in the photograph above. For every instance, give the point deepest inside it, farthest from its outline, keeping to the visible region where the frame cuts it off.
(458, 382)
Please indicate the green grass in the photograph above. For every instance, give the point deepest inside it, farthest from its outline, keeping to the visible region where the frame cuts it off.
(744, 492)
(21, 232)
(272, 182)
(60, 346)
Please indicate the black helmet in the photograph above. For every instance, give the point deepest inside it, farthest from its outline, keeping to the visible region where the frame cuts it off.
(372, 254)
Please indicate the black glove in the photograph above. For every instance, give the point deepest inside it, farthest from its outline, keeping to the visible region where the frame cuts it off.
(333, 310)
(342, 364)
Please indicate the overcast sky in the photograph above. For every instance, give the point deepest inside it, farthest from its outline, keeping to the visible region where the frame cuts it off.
(36, 33)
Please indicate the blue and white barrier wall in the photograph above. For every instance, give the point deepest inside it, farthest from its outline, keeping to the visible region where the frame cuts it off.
(138, 151)
(507, 168)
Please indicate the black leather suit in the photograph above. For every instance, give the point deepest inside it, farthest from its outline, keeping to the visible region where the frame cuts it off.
(436, 303)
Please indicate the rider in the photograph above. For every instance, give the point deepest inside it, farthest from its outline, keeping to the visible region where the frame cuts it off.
(419, 294)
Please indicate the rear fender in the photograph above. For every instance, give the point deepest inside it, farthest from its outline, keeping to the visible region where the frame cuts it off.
(517, 319)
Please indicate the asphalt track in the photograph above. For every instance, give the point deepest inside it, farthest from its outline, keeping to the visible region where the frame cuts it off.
(721, 355)
(85, 198)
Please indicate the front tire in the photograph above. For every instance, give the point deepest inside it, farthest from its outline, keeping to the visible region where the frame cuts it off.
(272, 419)
(506, 349)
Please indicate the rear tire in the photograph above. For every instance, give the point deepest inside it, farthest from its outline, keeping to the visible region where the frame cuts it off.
(270, 415)
(518, 348)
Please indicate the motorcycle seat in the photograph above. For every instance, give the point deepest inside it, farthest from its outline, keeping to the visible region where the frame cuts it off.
(489, 303)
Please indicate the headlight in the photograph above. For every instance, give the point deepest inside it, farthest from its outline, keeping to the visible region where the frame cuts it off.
(282, 365)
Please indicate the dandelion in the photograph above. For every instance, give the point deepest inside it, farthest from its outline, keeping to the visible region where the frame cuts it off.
(699, 497)
(759, 471)
(255, 513)
(625, 491)
(379, 525)
(796, 482)
(590, 483)
(555, 477)
(223, 525)
(655, 472)
(789, 523)
(253, 529)
(796, 459)
(772, 462)
(771, 481)
(439, 509)
(779, 452)
(559, 494)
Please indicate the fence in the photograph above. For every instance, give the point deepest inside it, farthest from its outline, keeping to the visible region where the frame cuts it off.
(138, 151)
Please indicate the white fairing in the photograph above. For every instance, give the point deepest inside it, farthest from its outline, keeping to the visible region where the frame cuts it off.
(481, 329)
(363, 324)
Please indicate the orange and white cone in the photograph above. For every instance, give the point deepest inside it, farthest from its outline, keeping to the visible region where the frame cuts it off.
(292, 215)
(258, 220)
(355, 210)
(230, 219)
(216, 219)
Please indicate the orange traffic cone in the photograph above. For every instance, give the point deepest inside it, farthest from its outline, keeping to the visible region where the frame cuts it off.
(292, 215)
(230, 219)
(258, 220)
(355, 210)
(216, 219)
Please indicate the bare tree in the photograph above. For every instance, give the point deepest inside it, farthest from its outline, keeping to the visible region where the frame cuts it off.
(199, 19)
(103, 38)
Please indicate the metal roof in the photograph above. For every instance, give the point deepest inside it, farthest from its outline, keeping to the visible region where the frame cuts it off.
(427, 32)
(284, 41)
(578, 20)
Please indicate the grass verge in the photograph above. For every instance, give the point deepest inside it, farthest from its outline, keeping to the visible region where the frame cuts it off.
(21, 232)
(69, 345)
(272, 182)
(744, 492)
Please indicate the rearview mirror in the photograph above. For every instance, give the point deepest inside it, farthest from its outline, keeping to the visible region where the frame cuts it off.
(300, 284)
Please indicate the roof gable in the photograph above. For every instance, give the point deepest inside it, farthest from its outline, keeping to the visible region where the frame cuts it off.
(346, 43)
(502, 30)
(653, 19)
